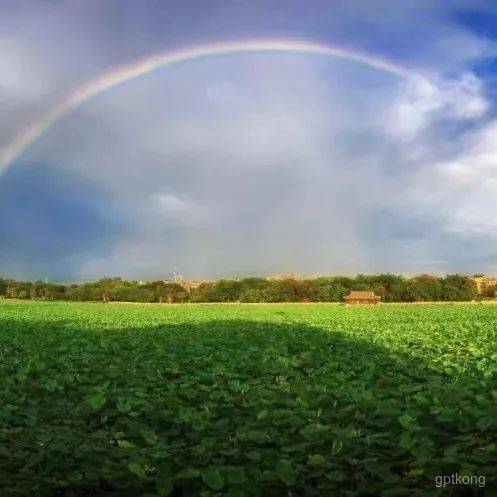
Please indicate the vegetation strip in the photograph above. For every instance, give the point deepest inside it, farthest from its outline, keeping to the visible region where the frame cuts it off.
(388, 287)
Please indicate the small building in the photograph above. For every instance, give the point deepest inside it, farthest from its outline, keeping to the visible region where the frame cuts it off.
(355, 297)
(193, 285)
(289, 276)
(482, 282)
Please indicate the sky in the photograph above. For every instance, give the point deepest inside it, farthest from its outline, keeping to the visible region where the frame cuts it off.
(253, 163)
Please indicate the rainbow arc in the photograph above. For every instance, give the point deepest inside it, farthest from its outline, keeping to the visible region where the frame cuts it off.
(117, 76)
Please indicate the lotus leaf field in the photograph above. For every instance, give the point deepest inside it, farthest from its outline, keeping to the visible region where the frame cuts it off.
(246, 400)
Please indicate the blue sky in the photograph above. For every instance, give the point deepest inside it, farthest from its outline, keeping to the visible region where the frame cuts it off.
(253, 163)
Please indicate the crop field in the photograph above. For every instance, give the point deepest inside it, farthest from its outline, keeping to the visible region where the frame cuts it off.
(246, 400)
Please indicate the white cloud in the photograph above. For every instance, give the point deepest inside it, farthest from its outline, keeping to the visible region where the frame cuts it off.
(422, 102)
(169, 204)
(462, 191)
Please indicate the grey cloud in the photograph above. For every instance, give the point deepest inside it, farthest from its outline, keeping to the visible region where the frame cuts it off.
(260, 163)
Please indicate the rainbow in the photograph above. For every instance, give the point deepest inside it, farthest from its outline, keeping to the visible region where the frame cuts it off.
(138, 68)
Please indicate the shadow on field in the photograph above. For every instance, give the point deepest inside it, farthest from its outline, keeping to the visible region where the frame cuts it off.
(232, 407)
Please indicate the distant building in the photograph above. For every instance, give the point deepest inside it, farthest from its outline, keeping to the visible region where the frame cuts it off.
(289, 276)
(483, 282)
(193, 285)
(362, 298)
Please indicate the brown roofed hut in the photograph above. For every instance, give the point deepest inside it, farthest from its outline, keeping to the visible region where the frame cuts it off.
(355, 297)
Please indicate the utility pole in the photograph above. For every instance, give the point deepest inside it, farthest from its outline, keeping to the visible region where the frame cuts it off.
(177, 278)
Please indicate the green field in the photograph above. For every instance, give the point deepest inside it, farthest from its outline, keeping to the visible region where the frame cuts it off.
(245, 400)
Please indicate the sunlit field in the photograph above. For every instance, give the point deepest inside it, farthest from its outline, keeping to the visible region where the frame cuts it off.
(246, 400)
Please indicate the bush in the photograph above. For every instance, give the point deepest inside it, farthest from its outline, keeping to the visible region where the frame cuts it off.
(251, 295)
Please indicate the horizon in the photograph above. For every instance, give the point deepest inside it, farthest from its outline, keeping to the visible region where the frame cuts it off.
(234, 139)
(269, 277)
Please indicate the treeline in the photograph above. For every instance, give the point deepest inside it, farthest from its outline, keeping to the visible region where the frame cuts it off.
(390, 287)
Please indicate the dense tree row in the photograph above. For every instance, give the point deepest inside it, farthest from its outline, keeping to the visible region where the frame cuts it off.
(391, 288)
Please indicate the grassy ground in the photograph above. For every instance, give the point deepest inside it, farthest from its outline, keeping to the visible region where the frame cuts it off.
(246, 400)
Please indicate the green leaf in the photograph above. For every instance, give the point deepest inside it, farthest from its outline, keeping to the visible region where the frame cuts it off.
(164, 485)
(150, 436)
(212, 478)
(125, 444)
(164, 481)
(485, 423)
(254, 455)
(96, 399)
(413, 473)
(382, 471)
(336, 447)
(189, 474)
(316, 460)
(234, 475)
(286, 472)
(137, 469)
(235, 493)
(407, 420)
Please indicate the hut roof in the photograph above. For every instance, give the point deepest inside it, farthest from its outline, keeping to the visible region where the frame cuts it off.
(356, 295)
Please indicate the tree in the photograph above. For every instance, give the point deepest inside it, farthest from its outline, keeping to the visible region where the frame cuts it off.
(458, 287)
(252, 295)
(489, 291)
(225, 291)
(332, 292)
